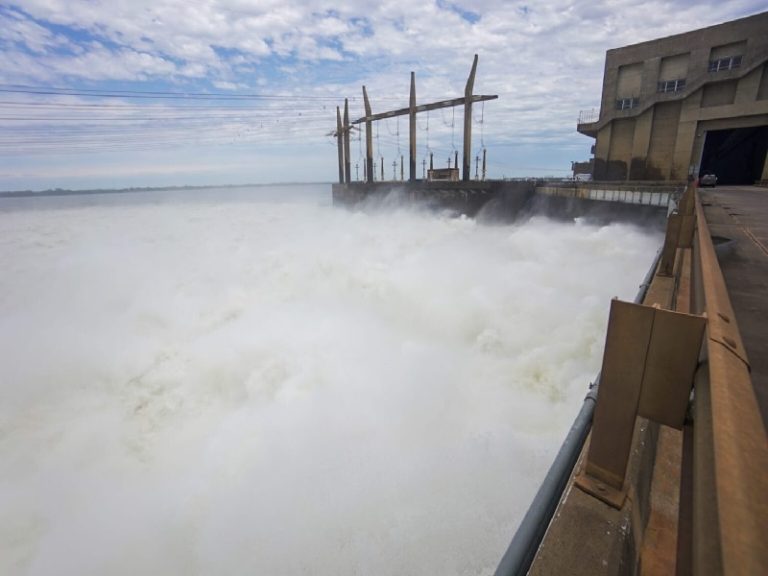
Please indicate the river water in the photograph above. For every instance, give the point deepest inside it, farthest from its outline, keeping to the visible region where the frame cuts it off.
(250, 381)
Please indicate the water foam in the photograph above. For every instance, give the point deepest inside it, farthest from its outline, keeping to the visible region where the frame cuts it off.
(284, 388)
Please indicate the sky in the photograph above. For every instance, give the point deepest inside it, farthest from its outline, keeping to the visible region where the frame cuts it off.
(133, 93)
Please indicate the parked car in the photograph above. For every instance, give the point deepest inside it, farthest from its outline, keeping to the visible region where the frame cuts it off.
(708, 180)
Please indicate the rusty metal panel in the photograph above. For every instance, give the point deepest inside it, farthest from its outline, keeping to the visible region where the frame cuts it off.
(593, 486)
(737, 446)
(666, 266)
(687, 226)
(706, 551)
(683, 296)
(626, 344)
(661, 292)
(684, 562)
(648, 365)
(673, 354)
(688, 213)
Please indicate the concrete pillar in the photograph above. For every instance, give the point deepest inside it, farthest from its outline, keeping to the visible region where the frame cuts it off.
(602, 146)
(688, 148)
(641, 144)
(620, 153)
(747, 88)
(651, 68)
(689, 143)
(764, 177)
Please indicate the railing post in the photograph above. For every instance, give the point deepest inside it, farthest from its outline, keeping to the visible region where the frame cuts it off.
(648, 366)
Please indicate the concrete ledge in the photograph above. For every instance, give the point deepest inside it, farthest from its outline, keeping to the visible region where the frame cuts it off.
(632, 185)
(587, 537)
(643, 196)
(462, 197)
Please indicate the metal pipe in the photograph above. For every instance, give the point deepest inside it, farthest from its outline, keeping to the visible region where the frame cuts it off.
(522, 550)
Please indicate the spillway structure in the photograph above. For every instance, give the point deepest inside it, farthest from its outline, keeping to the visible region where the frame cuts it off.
(452, 187)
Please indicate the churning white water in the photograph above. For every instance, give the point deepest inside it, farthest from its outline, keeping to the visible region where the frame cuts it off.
(254, 386)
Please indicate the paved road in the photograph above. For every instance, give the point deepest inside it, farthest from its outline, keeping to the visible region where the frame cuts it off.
(741, 213)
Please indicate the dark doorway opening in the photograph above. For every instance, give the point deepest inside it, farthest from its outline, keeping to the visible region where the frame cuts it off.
(736, 155)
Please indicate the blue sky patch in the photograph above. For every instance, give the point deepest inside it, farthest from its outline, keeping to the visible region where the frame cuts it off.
(183, 47)
(469, 16)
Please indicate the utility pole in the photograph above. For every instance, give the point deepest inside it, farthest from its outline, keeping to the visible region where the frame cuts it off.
(411, 111)
(483, 164)
(477, 162)
(412, 125)
(468, 120)
(347, 130)
(382, 168)
(340, 144)
(368, 137)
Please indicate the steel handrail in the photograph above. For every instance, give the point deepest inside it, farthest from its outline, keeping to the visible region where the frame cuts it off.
(521, 551)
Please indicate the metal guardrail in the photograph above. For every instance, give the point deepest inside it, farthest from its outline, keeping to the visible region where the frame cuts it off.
(602, 193)
(730, 463)
(729, 471)
(589, 116)
(521, 551)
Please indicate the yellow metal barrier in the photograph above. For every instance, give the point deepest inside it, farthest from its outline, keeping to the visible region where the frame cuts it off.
(730, 476)
(653, 358)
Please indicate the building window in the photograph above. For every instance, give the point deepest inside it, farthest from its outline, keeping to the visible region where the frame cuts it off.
(729, 63)
(626, 103)
(671, 86)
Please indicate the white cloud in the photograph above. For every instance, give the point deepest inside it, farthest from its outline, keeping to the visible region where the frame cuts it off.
(100, 63)
(516, 39)
(17, 29)
(544, 59)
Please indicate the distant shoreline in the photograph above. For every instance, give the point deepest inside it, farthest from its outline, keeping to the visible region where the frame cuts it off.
(66, 192)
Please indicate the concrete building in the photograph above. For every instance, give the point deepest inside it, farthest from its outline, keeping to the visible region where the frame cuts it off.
(685, 105)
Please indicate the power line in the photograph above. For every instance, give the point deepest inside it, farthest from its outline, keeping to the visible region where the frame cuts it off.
(91, 127)
(138, 118)
(120, 106)
(161, 94)
(43, 91)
